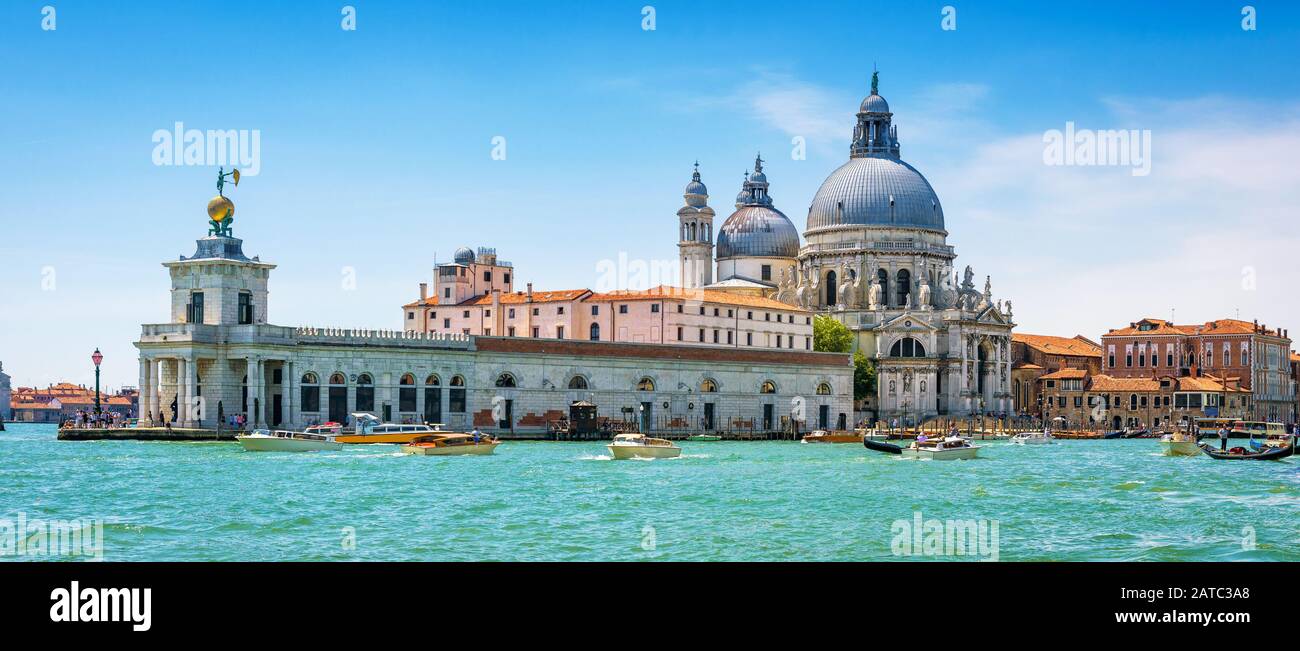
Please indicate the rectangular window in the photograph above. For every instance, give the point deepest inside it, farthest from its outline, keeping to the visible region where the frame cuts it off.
(410, 316)
(559, 310)
(715, 336)
(194, 311)
(245, 308)
(510, 332)
(679, 308)
(537, 332)
(779, 317)
(559, 332)
(446, 323)
(511, 313)
(767, 272)
(487, 314)
(749, 339)
(1169, 360)
(654, 308)
(701, 310)
(1110, 361)
(595, 310)
(729, 337)
(622, 309)
(1128, 360)
(446, 292)
(679, 333)
(487, 332)
(465, 314)
(506, 278)
(487, 276)
(715, 311)
(406, 399)
(536, 311)
(767, 316)
(749, 315)
(456, 400)
(701, 335)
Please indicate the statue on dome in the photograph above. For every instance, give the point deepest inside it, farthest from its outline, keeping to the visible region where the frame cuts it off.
(875, 82)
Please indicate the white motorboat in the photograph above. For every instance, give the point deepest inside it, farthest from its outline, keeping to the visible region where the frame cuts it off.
(1033, 438)
(640, 446)
(946, 449)
(264, 440)
(1179, 444)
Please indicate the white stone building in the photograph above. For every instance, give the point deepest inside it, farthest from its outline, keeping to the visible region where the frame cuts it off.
(220, 356)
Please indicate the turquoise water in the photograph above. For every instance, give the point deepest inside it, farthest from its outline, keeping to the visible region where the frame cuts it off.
(770, 501)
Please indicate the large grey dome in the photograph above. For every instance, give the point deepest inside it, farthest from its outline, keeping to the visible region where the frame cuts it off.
(758, 231)
(463, 255)
(875, 191)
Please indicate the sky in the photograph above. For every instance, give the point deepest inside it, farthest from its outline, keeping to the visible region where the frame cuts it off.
(563, 134)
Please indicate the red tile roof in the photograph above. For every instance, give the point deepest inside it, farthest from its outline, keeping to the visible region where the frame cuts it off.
(1066, 374)
(1076, 346)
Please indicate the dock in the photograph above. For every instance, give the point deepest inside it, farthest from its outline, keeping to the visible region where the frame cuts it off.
(145, 434)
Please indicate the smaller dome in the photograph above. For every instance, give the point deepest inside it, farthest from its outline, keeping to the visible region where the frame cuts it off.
(757, 231)
(463, 255)
(874, 104)
(695, 187)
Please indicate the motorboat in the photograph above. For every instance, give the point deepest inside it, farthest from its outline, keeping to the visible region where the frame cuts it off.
(372, 430)
(640, 446)
(265, 440)
(704, 437)
(941, 449)
(823, 436)
(451, 443)
(1176, 444)
(1241, 453)
(1033, 438)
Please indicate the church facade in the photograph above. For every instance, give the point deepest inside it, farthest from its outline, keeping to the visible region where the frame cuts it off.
(875, 257)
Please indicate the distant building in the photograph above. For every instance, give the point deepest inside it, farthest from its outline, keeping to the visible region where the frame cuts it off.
(1244, 352)
(1033, 356)
(60, 401)
(1086, 400)
(6, 412)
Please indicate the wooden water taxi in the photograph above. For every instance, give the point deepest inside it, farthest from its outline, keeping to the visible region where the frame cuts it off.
(450, 444)
(941, 449)
(1179, 444)
(640, 446)
(371, 430)
(286, 441)
(823, 436)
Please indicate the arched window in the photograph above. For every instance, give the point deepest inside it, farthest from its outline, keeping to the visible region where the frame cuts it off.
(768, 387)
(708, 386)
(907, 347)
(578, 382)
(365, 378)
(883, 277)
(456, 395)
(407, 379)
(823, 389)
(458, 381)
(506, 380)
(646, 384)
(692, 232)
(595, 332)
(310, 378)
(904, 286)
(432, 381)
(831, 288)
(338, 378)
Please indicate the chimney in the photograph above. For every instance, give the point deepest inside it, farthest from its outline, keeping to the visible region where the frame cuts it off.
(530, 292)
(424, 291)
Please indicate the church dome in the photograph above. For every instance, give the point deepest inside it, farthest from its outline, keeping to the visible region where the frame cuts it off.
(758, 231)
(696, 193)
(463, 255)
(874, 104)
(875, 191)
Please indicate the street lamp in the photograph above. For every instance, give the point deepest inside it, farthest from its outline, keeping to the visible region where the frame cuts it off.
(97, 357)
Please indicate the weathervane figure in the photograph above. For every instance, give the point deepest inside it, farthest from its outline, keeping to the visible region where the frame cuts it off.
(221, 210)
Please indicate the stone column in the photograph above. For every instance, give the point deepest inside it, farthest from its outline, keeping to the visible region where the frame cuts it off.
(261, 393)
(182, 399)
(144, 389)
(253, 371)
(154, 389)
(419, 400)
(290, 418)
(187, 379)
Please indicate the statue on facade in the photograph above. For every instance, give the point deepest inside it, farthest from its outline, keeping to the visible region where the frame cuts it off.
(873, 295)
(848, 290)
(969, 281)
(1008, 311)
(924, 303)
(907, 381)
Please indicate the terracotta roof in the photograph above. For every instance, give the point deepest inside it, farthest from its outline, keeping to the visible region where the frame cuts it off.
(574, 347)
(1199, 384)
(516, 298)
(666, 292)
(1108, 383)
(1077, 346)
(1216, 327)
(1026, 365)
(1066, 374)
(1162, 327)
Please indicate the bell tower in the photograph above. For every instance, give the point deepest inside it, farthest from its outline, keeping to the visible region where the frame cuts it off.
(695, 242)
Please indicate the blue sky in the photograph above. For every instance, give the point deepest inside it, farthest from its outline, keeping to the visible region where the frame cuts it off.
(376, 148)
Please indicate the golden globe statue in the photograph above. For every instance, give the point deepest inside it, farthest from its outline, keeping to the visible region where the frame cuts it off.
(220, 208)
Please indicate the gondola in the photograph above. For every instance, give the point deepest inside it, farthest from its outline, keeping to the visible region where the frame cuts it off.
(1117, 434)
(888, 448)
(1270, 454)
(1137, 434)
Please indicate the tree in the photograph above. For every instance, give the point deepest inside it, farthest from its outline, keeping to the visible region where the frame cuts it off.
(864, 376)
(831, 336)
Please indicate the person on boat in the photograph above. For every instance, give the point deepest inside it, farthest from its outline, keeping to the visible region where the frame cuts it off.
(475, 433)
(1223, 438)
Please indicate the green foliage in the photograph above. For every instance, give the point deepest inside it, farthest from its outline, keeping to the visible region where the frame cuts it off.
(831, 336)
(864, 376)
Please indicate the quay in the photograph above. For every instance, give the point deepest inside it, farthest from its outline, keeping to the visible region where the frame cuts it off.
(145, 434)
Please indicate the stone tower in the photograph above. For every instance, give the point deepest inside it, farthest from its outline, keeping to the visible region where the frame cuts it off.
(695, 243)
